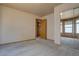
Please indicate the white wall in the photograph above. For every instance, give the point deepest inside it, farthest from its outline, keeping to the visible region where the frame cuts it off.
(70, 13)
(57, 10)
(67, 14)
(17, 25)
(50, 26)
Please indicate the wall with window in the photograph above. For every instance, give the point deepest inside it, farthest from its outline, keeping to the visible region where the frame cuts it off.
(70, 23)
(57, 11)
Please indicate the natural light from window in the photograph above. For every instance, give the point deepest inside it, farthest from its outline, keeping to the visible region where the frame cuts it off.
(68, 27)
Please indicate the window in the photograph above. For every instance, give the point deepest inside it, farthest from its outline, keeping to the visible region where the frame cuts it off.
(77, 26)
(68, 26)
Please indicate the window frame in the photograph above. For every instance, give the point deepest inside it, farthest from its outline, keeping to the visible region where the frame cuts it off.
(73, 34)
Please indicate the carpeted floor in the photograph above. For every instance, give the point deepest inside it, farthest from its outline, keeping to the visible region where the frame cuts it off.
(36, 48)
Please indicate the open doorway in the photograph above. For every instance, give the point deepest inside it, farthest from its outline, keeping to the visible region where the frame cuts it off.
(41, 28)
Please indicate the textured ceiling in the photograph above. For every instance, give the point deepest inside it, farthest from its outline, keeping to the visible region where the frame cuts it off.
(39, 9)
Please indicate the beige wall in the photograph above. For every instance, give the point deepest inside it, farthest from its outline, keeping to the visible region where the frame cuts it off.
(50, 26)
(17, 25)
(57, 10)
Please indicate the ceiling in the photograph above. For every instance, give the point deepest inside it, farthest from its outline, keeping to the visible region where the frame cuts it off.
(40, 9)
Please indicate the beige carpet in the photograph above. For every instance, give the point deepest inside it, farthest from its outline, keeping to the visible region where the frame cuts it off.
(36, 48)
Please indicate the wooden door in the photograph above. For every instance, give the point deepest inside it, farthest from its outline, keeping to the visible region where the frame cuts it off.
(43, 29)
